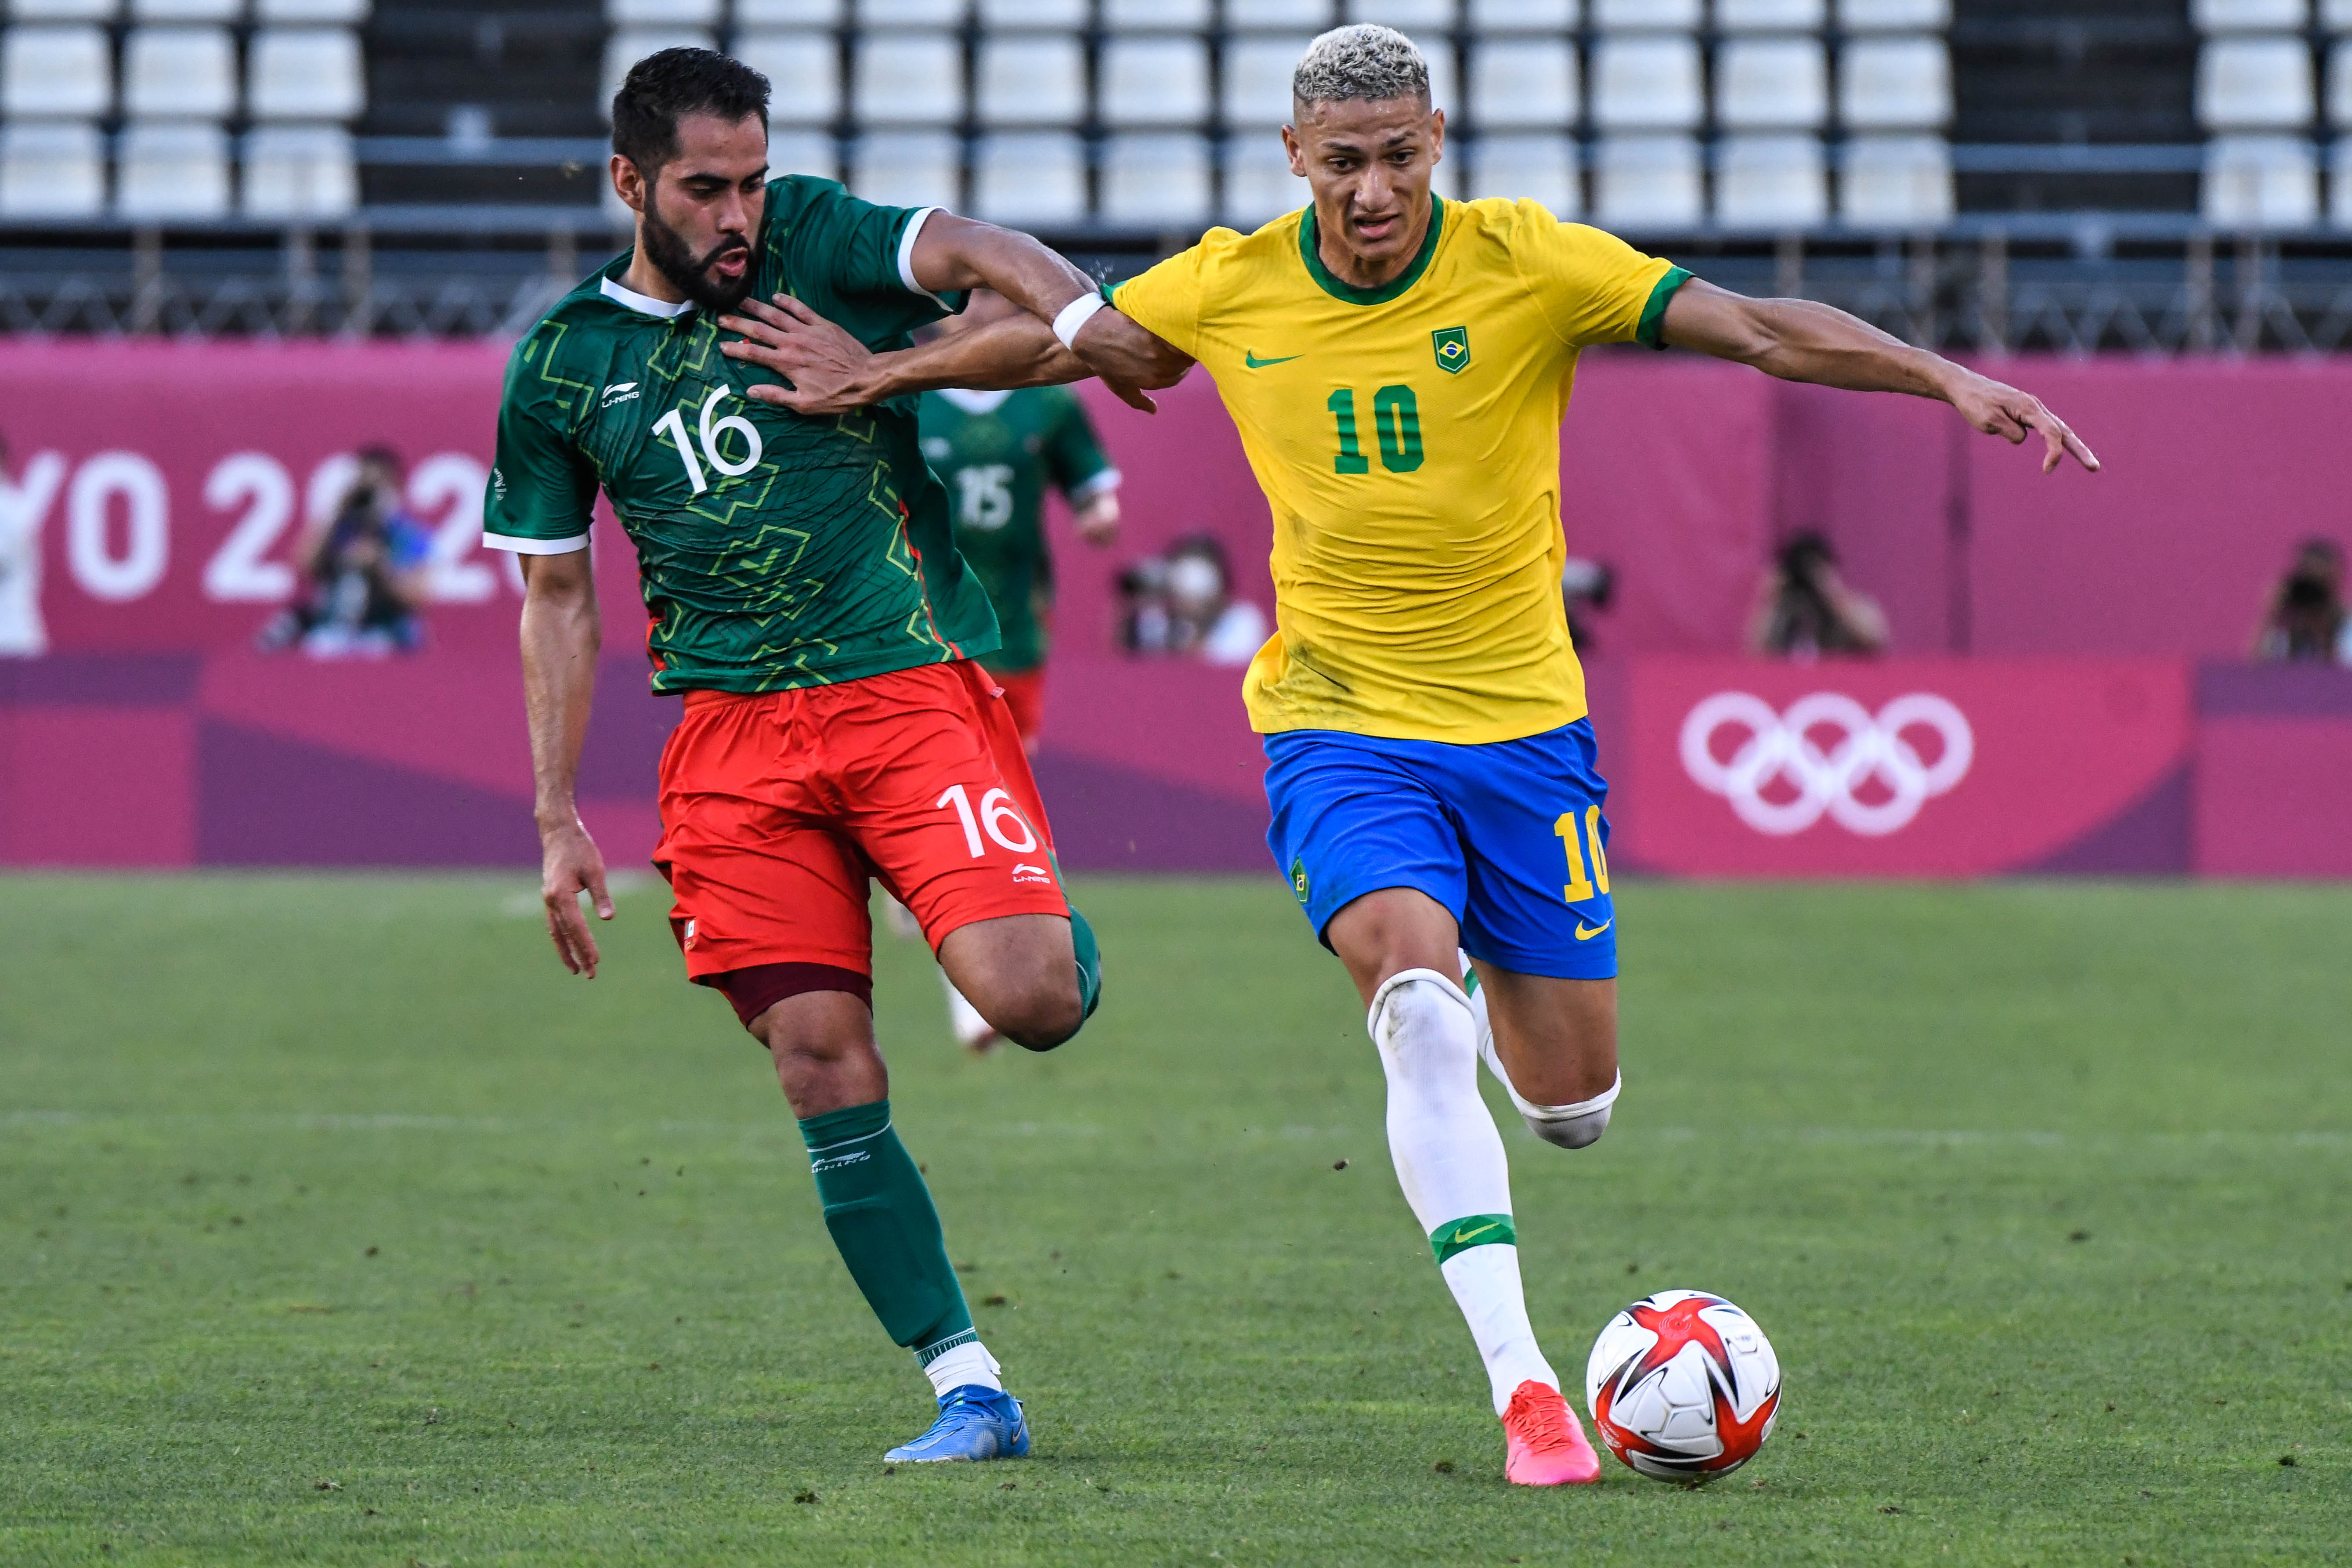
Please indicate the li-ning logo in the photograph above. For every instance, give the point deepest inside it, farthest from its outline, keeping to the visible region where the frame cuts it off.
(619, 392)
(834, 1161)
(1024, 872)
(1780, 749)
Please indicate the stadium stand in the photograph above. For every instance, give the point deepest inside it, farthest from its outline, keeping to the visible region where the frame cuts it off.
(1914, 159)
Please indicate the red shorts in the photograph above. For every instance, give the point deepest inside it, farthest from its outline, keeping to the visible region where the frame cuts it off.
(776, 808)
(1025, 694)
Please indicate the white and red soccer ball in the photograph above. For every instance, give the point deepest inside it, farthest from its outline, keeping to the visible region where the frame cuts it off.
(1683, 1386)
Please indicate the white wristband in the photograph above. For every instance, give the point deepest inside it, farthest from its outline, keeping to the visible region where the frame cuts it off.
(1076, 314)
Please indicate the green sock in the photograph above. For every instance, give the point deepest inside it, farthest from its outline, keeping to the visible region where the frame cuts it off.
(1082, 938)
(881, 1217)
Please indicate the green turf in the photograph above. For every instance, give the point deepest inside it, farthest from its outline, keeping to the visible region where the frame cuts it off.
(337, 1227)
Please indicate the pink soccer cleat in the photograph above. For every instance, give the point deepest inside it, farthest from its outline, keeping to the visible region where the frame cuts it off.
(1544, 1442)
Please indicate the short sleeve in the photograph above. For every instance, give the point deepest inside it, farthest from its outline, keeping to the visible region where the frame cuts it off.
(541, 489)
(1075, 456)
(864, 252)
(1592, 287)
(1166, 300)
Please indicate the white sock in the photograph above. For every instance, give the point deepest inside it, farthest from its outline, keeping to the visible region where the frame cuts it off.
(970, 1027)
(1576, 1126)
(968, 1363)
(1449, 1160)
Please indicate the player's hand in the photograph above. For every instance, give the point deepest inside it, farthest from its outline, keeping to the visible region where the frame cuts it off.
(1097, 521)
(1131, 394)
(2005, 412)
(569, 864)
(830, 371)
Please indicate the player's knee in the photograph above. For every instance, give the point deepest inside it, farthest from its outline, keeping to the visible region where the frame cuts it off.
(1578, 1126)
(1044, 1018)
(1419, 1010)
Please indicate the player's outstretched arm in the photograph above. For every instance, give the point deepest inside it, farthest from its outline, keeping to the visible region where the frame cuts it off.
(1799, 340)
(561, 633)
(832, 373)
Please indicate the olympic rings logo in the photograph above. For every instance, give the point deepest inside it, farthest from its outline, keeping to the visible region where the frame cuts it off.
(1780, 746)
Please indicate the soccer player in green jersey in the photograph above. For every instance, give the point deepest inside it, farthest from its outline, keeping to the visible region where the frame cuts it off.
(1398, 367)
(807, 601)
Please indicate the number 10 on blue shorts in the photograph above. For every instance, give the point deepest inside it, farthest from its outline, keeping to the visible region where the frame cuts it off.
(1510, 837)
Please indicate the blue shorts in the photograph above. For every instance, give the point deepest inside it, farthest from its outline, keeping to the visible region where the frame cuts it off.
(1509, 837)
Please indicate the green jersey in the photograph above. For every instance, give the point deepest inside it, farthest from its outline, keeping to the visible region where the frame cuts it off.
(997, 451)
(773, 550)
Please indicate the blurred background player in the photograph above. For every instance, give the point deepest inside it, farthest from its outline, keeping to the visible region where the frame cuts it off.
(997, 452)
(807, 601)
(1398, 367)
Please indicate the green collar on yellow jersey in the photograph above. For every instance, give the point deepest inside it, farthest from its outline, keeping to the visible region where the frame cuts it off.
(1308, 251)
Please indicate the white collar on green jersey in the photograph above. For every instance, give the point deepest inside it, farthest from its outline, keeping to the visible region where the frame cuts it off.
(645, 303)
(973, 402)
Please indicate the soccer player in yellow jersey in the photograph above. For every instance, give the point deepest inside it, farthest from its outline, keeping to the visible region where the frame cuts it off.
(1398, 367)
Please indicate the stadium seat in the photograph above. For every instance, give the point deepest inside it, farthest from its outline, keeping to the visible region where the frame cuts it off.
(2250, 15)
(788, 13)
(1517, 83)
(909, 78)
(187, 72)
(1647, 181)
(1894, 16)
(1031, 78)
(1515, 167)
(1646, 82)
(1444, 89)
(1149, 81)
(1155, 180)
(299, 171)
(305, 73)
(167, 168)
(662, 12)
(58, 10)
(2339, 85)
(1633, 15)
(1770, 182)
(2339, 184)
(350, 12)
(911, 13)
(1509, 15)
(1771, 84)
(907, 168)
(2261, 182)
(804, 152)
(624, 49)
(187, 10)
(1242, 15)
(1896, 182)
(1895, 84)
(1404, 16)
(1259, 185)
(52, 169)
(1030, 177)
(2335, 15)
(1070, 13)
(1176, 15)
(803, 72)
(1770, 15)
(2254, 83)
(1257, 78)
(62, 72)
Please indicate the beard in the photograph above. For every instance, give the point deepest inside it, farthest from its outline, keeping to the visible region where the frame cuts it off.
(691, 276)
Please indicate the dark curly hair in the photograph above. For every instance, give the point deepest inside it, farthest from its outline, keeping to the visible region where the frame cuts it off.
(667, 85)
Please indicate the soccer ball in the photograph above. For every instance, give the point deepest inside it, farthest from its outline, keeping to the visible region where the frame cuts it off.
(1683, 1386)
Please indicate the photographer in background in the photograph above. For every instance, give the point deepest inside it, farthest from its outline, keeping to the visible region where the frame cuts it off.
(1804, 609)
(364, 571)
(2305, 621)
(1183, 603)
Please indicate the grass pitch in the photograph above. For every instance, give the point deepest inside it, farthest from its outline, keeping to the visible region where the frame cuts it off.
(337, 1227)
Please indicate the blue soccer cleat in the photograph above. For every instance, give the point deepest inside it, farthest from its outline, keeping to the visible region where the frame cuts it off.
(975, 1423)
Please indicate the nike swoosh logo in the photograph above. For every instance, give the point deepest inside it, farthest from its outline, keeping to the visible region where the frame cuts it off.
(1587, 934)
(1467, 1234)
(1254, 363)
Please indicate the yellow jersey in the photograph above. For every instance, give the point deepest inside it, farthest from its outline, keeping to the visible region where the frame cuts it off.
(1407, 438)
